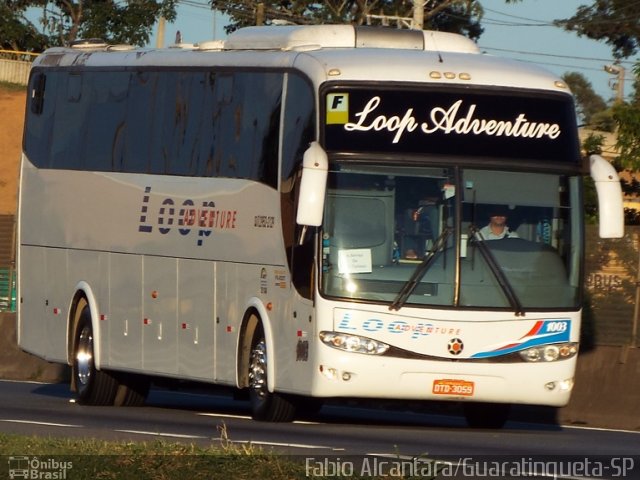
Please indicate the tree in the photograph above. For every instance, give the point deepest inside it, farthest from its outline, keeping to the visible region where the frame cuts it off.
(16, 32)
(627, 117)
(131, 22)
(634, 98)
(115, 21)
(618, 24)
(588, 102)
(460, 16)
(615, 21)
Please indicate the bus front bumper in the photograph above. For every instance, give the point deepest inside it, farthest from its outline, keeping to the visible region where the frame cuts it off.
(359, 375)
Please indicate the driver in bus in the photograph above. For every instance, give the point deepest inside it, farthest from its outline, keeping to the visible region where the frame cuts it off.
(497, 227)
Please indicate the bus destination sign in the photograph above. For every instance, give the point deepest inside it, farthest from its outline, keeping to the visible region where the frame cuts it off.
(491, 123)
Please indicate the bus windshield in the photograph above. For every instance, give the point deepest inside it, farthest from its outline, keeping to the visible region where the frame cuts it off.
(446, 237)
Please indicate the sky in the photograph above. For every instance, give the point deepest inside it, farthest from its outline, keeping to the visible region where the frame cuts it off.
(522, 31)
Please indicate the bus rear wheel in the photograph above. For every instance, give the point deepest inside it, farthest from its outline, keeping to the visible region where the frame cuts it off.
(93, 386)
(265, 406)
(132, 390)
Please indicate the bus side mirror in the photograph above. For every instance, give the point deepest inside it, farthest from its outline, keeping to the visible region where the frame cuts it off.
(315, 167)
(610, 208)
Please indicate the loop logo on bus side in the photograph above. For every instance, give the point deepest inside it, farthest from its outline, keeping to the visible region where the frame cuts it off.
(169, 215)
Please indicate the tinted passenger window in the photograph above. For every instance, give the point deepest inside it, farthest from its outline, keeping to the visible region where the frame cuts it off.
(103, 117)
(196, 122)
(40, 118)
(246, 125)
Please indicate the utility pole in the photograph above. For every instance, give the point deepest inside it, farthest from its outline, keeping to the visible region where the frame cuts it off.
(160, 36)
(418, 14)
(260, 14)
(618, 84)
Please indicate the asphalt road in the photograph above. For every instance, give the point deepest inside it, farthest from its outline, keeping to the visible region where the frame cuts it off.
(338, 430)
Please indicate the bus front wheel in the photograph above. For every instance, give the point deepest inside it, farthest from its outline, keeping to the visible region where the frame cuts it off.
(486, 415)
(265, 406)
(93, 386)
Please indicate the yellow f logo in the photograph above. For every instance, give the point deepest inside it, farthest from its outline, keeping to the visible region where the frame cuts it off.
(337, 108)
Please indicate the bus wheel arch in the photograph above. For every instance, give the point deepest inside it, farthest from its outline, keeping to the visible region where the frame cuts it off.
(254, 373)
(250, 323)
(92, 386)
(82, 298)
(77, 305)
(107, 387)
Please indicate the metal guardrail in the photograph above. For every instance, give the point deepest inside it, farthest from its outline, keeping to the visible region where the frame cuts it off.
(7, 289)
(7, 269)
(15, 66)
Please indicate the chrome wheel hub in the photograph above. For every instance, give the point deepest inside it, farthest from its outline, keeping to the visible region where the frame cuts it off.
(84, 356)
(258, 369)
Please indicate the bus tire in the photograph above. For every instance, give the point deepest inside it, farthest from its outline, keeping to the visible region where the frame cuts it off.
(265, 406)
(486, 415)
(93, 386)
(132, 390)
(308, 406)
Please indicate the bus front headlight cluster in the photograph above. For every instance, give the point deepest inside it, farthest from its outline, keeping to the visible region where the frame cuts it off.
(550, 353)
(353, 343)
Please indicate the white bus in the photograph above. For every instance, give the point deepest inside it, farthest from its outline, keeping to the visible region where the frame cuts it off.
(297, 212)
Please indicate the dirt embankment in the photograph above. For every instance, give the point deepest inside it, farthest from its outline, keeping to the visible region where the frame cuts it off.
(12, 103)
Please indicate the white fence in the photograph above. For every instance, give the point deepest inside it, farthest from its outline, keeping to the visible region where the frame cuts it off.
(15, 66)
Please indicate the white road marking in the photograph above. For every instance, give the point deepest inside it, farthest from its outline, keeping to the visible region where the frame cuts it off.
(160, 434)
(247, 417)
(26, 381)
(224, 415)
(45, 424)
(292, 445)
(600, 429)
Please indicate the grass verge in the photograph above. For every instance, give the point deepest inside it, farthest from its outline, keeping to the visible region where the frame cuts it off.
(96, 459)
(79, 459)
(12, 87)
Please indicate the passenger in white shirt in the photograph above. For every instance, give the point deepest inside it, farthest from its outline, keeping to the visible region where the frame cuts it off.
(497, 227)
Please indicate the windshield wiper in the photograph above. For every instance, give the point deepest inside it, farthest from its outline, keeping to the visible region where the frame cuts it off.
(419, 272)
(503, 281)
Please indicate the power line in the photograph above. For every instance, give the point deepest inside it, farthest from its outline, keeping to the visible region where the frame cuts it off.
(192, 3)
(631, 17)
(573, 57)
(544, 22)
(574, 67)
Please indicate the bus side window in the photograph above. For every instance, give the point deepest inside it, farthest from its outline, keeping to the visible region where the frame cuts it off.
(187, 118)
(104, 111)
(37, 93)
(40, 118)
(138, 124)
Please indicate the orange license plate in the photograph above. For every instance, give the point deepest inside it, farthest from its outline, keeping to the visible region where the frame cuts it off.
(453, 387)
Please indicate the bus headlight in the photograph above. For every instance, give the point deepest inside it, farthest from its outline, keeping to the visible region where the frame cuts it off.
(353, 343)
(550, 353)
